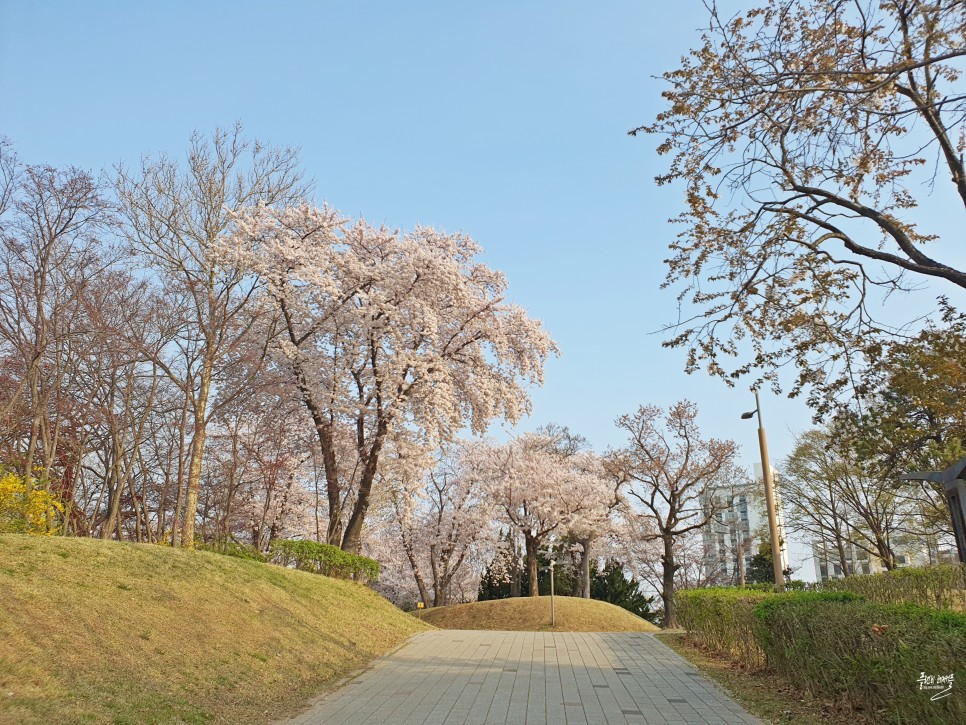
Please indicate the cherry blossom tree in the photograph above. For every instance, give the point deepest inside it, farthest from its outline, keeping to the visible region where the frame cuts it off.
(598, 520)
(388, 337)
(539, 491)
(669, 468)
(446, 526)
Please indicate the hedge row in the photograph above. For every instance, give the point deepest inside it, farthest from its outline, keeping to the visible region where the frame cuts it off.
(324, 559)
(841, 645)
(943, 587)
(234, 549)
(723, 619)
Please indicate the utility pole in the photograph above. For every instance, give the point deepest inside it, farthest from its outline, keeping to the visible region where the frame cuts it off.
(776, 553)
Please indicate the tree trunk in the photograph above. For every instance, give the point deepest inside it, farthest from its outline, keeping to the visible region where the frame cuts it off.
(197, 451)
(515, 578)
(352, 540)
(179, 481)
(533, 545)
(843, 559)
(330, 466)
(113, 484)
(741, 562)
(577, 589)
(417, 574)
(36, 419)
(885, 553)
(438, 566)
(667, 584)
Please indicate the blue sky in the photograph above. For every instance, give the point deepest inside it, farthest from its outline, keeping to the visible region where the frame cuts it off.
(504, 120)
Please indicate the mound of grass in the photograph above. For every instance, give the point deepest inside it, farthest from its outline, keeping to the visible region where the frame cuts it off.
(95, 632)
(532, 614)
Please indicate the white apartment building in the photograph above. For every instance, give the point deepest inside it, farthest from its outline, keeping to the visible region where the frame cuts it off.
(828, 563)
(741, 515)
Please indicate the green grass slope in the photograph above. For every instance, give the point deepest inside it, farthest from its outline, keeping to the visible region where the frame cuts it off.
(532, 614)
(94, 632)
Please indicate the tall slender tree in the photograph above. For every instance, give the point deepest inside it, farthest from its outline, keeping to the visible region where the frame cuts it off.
(176, 216)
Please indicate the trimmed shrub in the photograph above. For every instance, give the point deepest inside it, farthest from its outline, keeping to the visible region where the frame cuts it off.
(236, 550)
(723, 620)
(324, 559)
(943, 587)
(871, 655)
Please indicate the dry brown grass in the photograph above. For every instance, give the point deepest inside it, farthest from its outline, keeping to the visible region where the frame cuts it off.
(94, 632)
(532, 614)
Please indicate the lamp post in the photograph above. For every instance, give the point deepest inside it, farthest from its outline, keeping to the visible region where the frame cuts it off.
(776, 554)
(553, 618)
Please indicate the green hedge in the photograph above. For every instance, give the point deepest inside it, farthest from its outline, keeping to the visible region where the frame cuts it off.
(723, 619)
(839, 644)
(869, 654)
(324, 559)
(233, 548)
(943, 587)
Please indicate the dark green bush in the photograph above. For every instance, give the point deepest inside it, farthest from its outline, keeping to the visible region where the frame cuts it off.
(324, 559)
(872, 655)
(611, 585)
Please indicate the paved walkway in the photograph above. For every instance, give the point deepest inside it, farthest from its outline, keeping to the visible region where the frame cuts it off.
(454, 676)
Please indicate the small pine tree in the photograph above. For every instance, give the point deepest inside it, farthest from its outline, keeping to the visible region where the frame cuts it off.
(493, 584)
(761, 569)
(611, 585)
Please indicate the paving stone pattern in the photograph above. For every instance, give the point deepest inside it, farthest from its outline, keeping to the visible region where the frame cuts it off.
(473, 677)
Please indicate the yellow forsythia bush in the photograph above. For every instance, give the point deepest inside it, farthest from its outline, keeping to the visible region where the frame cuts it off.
(26, 510)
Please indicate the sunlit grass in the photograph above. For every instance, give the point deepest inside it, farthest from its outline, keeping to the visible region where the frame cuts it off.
(95, 632)
(532, 614)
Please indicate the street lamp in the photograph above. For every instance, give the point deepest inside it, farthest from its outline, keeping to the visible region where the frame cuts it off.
(776, 554)
(553, 618)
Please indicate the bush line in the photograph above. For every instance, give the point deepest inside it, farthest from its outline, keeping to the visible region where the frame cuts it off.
(840, 644)
(324, 559)
(943, 586)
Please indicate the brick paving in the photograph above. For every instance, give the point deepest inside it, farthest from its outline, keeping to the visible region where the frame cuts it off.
(479, 678)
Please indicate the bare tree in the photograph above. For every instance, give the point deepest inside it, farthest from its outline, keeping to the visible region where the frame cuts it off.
(52, 249)
(670, 469)
(805, 133)
(176, 215)
(841, 501)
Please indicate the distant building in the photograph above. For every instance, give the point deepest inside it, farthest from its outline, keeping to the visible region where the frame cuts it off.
(828, 563)
(733, 527)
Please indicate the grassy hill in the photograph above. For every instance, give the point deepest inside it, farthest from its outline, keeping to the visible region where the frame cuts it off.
(96, 632)
(532, 614)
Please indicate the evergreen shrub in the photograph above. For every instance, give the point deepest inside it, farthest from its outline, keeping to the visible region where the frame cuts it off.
(871, 655)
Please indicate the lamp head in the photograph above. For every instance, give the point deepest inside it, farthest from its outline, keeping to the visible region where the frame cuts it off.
(750, 414)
